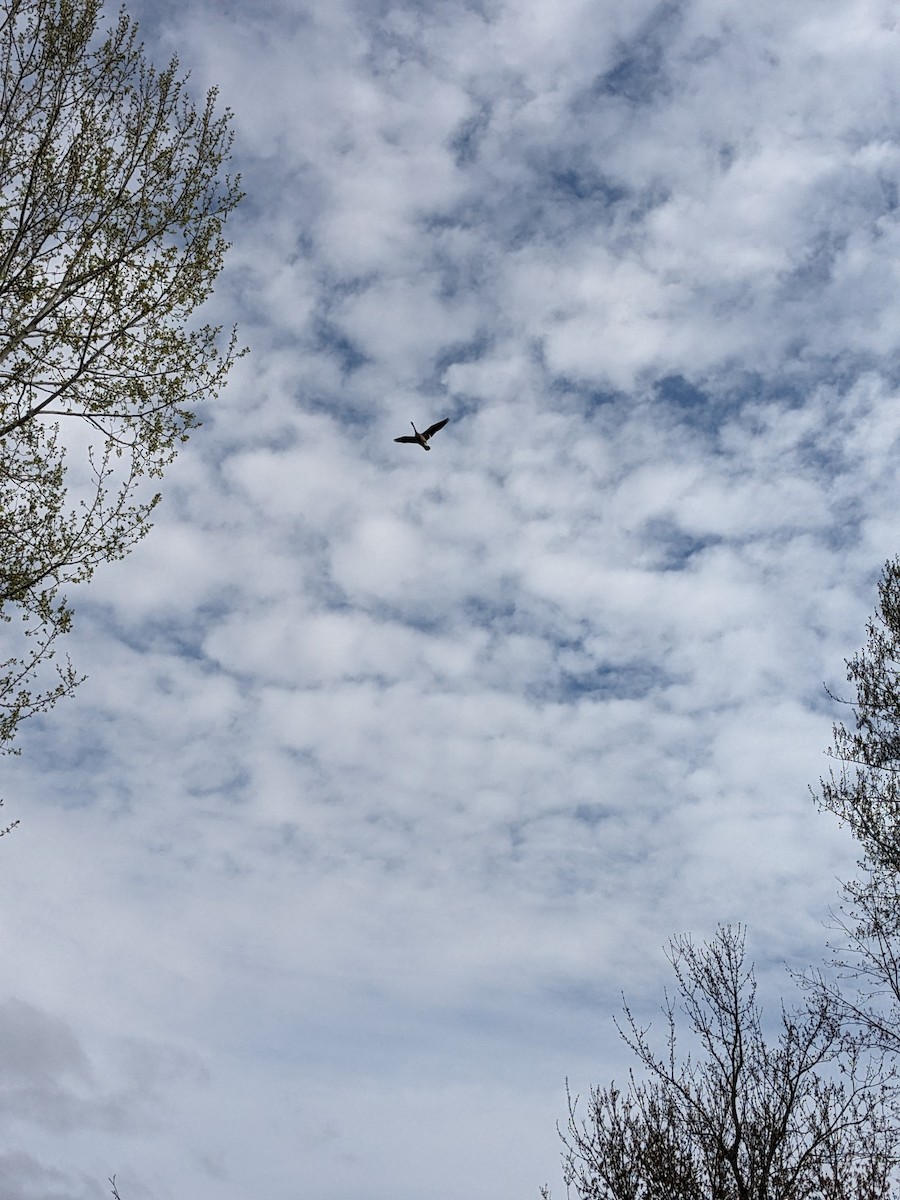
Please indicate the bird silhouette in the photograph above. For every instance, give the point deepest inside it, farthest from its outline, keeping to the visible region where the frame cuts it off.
(421, 439)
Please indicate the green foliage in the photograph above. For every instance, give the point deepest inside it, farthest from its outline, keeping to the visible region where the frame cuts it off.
(864, 792)
(112, 206)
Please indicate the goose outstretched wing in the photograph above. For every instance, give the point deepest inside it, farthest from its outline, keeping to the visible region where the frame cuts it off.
(407, 438)
(434, 428)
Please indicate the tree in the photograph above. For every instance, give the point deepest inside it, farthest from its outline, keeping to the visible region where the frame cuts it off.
(864, 792)
(807, 1118)
(112, 206)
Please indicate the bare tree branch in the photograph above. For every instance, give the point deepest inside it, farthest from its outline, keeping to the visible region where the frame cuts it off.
(808, 1117)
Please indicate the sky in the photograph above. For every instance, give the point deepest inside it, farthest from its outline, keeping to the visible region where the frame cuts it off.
(393, 771)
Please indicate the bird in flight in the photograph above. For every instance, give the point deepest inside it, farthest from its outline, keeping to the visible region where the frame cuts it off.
(421, 439)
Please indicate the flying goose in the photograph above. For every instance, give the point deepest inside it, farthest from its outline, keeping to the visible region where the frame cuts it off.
(421, 439)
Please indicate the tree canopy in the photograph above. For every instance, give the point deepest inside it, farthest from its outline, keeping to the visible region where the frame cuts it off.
(863, 790)
(802, 1117)
(113, 200)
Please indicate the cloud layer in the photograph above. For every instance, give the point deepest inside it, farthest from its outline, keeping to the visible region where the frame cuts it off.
(393, 770)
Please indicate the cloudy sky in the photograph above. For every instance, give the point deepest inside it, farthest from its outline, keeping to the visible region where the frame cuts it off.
(394, 770)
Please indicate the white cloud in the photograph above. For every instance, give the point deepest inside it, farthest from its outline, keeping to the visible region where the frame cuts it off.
(393, 769)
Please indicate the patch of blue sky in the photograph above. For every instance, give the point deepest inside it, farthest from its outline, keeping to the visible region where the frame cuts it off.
(582, 183)
(672, 548)
(346, 407)
(69, 755)
(179, 633)
(458, 275)
(732, 392)
(703, 411)
(593, 815)
(469, 136)
(836, 368)
(845, 531)
(810, 362)
(640, 75)
(606, 681)
(816, 266)
(464, 403)
(863, 195)
(563, 197)
(691, 404)
(890, 192)
(888, 366)
(824, 452)
(226, 792)
(492, 611)
(412, 615)
(562, 193)
(584, 397)
(745, 387)
(329, 338)
(467, 351)
(541, 208)
(637, 77)
(471, 212)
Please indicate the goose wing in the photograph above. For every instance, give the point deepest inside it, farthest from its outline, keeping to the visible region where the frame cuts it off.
(434, 428)
(407, 438)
